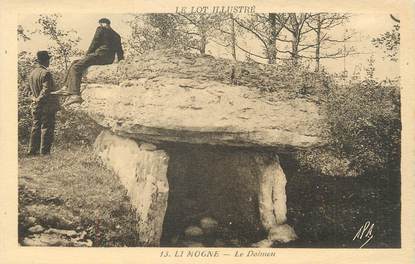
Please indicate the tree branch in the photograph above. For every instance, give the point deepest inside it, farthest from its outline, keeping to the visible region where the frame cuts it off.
(285, 51)
(220, 44)
(307, 47)
(190, 20)
(253, 32)
(250, 53)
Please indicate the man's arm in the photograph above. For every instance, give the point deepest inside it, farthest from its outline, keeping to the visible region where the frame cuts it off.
(47, 87)
(120, 52)
(95, 41)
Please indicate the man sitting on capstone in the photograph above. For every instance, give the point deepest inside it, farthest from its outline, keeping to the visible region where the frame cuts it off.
(105, 44)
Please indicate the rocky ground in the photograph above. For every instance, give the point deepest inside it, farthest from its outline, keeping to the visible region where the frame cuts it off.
(69, 199)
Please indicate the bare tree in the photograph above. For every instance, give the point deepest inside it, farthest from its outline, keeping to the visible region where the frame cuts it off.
(266, 28)
(228, 33)
(199, 29)
(321, 24)
(297, 27)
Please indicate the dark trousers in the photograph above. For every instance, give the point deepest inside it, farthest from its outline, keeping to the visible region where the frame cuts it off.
(41, 135)
(74, 74)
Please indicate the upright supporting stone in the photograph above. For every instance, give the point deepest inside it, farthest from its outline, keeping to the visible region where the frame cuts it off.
(279, 198)
(273, 201)
(142, 169)
(272, 198)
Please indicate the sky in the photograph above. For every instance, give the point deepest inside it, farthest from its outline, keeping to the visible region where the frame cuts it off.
(365, 26)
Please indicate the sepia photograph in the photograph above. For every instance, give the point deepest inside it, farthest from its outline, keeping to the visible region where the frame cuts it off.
(218, 127)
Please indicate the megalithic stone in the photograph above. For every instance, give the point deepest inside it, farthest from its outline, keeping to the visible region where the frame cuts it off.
(279, 197)
(273, 200)
(271, 197)
(142, 169)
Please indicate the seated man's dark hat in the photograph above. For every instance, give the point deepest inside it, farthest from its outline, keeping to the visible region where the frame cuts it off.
(42, 55)
(104, 20)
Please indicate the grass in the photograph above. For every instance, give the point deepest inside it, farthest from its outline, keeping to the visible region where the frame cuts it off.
(71, 190)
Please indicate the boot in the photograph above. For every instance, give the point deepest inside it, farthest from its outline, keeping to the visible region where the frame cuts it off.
(63, 91)
(73, 99)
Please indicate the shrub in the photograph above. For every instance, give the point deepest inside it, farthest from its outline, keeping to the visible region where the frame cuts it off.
(25, 65)
(365, 128)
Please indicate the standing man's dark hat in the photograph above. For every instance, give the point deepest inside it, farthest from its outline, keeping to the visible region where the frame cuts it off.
(104, 20)
(42, 55)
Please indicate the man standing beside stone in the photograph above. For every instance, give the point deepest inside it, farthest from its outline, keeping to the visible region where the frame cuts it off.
(105, 44)
(44, 106)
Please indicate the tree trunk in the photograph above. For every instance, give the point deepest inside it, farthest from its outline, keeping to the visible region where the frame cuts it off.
(272, 41)
(318, 43)
(203, 42)
(295, 31)
(66, 63)
(233, 38)
(294, 50)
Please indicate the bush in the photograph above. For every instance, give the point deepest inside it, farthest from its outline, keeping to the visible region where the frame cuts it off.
(24, 116)
(25, 65)
(365, 129)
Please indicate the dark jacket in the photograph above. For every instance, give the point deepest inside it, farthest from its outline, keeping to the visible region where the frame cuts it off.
(41, 84)
(106, 42)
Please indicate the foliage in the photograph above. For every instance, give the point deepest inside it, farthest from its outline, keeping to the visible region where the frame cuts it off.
(22, 34)
(180, 31)
(389, 42)
(365, 127)
(75, 128)
(25, 64)
(200, 29)
(154, 31)
(65, 42)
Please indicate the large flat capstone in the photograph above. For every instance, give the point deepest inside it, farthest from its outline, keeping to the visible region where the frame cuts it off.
(161, 107)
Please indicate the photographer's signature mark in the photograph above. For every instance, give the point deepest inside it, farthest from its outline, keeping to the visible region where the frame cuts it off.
(365, 232)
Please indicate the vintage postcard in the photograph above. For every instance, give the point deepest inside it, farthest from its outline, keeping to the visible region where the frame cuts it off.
(207, 132)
